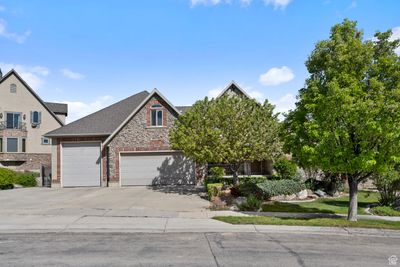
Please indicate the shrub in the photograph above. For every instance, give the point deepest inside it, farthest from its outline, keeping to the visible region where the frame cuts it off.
(388, 185)
(252, 203)
(214, 190)
(285, 168)
(271, 188)
(217, 172)
(26, 179)
(7, 178)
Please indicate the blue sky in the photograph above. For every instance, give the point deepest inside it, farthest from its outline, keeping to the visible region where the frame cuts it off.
(90, 54)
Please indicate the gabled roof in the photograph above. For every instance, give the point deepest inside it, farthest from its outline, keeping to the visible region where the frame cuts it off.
(13, 72)
(58, 108)
(233, 86)
(137, 109)
(103, 122)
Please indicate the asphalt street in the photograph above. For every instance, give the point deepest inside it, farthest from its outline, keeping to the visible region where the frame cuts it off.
(195, 249)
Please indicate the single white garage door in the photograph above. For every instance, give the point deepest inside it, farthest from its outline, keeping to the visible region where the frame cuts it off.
(156, 169)
(80, 164)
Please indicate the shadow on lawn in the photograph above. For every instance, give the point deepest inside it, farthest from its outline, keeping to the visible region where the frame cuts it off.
(292, 207)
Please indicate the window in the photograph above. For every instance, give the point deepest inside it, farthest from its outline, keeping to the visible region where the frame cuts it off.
(13, 88)
(23, 145)
(35, 117)
(13, 120)
(12, 144)
(45, 141)
(156, 115)
(1, 144)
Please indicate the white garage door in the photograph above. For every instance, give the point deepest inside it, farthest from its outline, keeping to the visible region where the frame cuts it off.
(80, 164)
(156, 168)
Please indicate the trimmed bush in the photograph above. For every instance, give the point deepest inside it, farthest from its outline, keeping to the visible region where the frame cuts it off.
(217, 172)
(26, 179)
(285, 168)
(7, 178)
(214, 190)
(388, 185)
(229, 180)
(272, 188)
(252, 203)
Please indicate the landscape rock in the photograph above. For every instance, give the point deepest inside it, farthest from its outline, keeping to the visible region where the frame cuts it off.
(303, 194)
(239, 201)
(320, 193)
(234, 208)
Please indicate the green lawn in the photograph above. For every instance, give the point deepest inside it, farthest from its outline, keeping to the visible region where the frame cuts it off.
(324, 205)
(380, 224)
(384, 211)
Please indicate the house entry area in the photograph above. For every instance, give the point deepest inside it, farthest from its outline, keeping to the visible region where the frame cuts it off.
(156, 168)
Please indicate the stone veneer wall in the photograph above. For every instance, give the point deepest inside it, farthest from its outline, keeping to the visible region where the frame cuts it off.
(138, 135)
(30, 161)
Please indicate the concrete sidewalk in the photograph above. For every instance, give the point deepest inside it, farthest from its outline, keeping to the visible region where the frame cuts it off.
(104, 224)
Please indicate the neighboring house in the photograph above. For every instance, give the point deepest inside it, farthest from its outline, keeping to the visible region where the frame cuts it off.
(24, 119)
(124, 144)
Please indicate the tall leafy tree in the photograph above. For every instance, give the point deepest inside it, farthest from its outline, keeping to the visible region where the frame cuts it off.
(347, 118)
(229, 130)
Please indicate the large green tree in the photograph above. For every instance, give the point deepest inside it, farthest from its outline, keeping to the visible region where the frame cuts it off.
(347, 118)
(229, 129)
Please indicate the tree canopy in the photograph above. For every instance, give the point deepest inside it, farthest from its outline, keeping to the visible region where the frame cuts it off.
(347, 118)
(229, 129)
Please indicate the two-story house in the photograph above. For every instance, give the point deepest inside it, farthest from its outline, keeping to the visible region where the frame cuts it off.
(24, 119)
(127, 144)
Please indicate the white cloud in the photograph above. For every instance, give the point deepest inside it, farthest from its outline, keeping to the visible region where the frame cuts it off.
(18, 38)
(246, 2)
(215, 92)
(284, 104)
(396, 35)
(33, 75)
(276, 76)
(72, 75)
(77, 109)
(278, 4)
(205, 2)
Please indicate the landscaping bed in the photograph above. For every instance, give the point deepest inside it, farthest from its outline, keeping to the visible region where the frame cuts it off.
(333, 205)
(10, 178)
(324, 222)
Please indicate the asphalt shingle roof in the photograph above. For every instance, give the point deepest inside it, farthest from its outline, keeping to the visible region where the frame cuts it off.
(102, 122)
(57, 108)
(183, 109)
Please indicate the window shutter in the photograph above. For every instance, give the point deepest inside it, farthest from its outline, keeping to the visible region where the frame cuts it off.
(31, 117)
(40, 117)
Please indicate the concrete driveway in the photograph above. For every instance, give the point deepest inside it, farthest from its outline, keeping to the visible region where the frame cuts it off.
(130, 201)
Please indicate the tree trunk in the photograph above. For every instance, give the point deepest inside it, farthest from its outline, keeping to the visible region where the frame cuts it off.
(353, 204)
(235, 177)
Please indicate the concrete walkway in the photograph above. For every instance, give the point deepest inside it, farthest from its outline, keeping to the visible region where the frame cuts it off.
(106, 224)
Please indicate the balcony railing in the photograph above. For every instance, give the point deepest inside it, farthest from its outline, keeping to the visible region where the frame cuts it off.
(16, 126)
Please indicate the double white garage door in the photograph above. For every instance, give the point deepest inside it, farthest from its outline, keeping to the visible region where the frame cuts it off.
(81, 166)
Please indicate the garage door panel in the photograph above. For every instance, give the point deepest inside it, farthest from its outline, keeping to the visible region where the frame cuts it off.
(81, 164)
(153, 169)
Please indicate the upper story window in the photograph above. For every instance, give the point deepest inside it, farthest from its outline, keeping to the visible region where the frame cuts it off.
(156, 115)
(36, 117)
(13, 88)
(13, 120)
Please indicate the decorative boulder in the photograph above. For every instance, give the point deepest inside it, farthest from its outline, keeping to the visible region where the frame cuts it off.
(303, 194)
(320, 193)
(239, 201)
